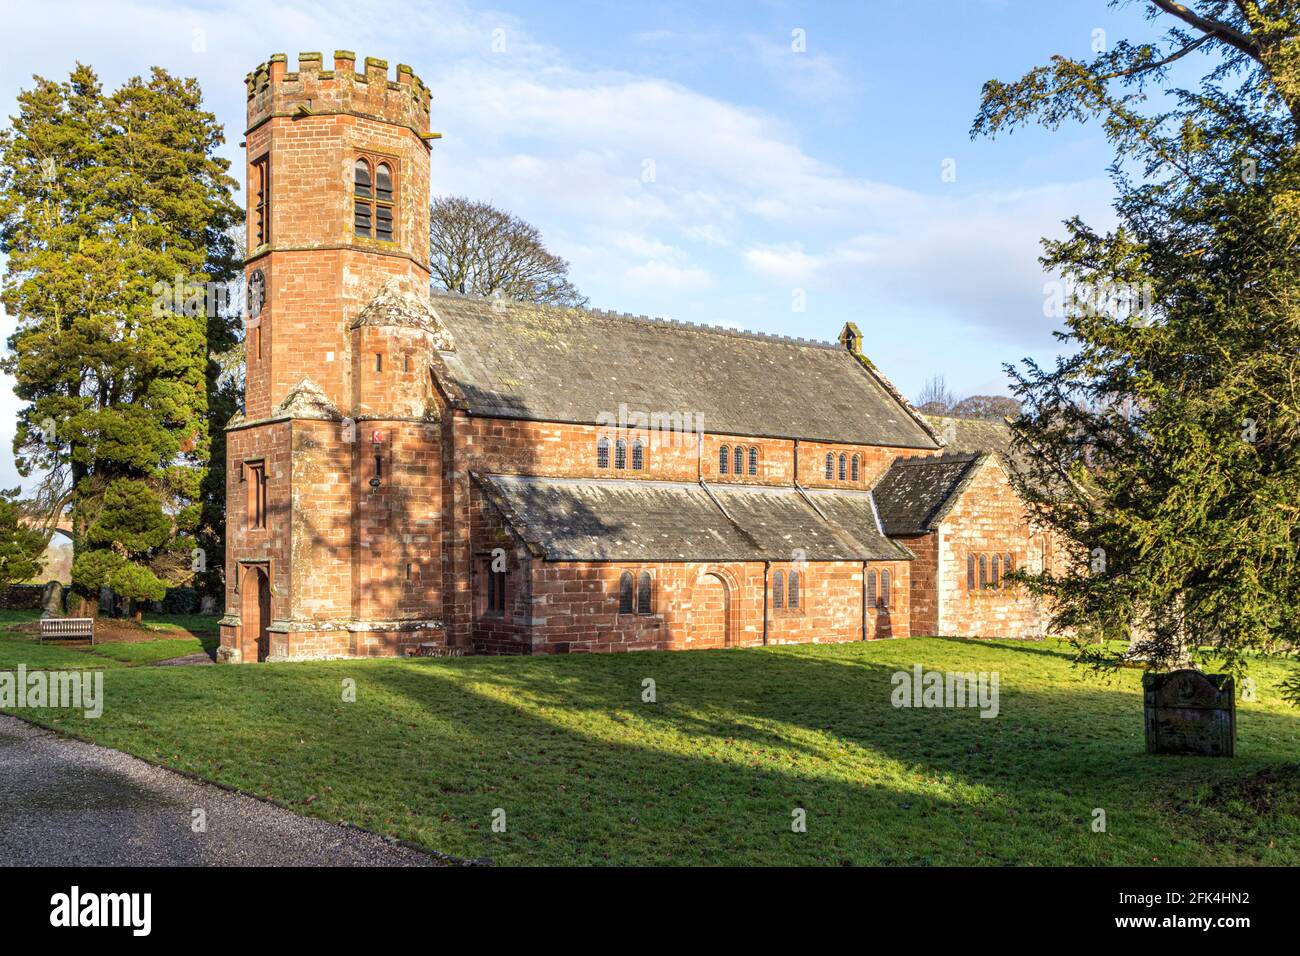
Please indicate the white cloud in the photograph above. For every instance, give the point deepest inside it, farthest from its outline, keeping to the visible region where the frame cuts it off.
(665, 275)
(736, 200)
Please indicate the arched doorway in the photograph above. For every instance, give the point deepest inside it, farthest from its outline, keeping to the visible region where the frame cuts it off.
(256, 614)
(710, 622)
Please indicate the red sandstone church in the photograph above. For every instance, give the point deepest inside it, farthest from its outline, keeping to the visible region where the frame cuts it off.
(416, 472)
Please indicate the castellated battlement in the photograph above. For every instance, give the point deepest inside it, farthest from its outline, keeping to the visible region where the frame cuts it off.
(311, 90)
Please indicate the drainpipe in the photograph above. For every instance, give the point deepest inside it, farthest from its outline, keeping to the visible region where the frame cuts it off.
(767, 568)
(796, 461)
(864, 600)
(699, 456)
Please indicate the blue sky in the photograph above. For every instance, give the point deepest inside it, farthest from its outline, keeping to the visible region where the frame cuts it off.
(687, 160)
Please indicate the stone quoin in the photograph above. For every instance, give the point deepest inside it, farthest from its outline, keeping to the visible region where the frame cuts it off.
(422, 472)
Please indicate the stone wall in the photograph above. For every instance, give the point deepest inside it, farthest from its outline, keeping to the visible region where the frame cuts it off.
(988, 517)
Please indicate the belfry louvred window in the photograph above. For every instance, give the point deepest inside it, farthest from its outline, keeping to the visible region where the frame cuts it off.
(373, 200)
(260, 181)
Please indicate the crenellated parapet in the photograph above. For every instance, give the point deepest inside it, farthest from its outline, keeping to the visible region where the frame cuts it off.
(311, 90)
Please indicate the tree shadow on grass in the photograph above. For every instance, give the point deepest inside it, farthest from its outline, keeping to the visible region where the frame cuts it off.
(738, 738)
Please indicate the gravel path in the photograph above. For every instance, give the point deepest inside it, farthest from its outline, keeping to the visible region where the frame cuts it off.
(68, 803)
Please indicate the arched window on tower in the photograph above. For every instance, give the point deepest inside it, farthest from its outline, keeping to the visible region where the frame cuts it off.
(724, 459)
(384, 202)
(373, 200)
(363, 199)
(625, 593)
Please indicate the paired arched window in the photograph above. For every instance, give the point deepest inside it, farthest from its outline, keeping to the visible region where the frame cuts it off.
(738, 460)
(854, 472)
(844, 467)
(984, 570)
(753, 460)
(792, 594)
(602, 453)
(970, 572)
(871, 589)
(778, 590)
(620, 454)
(830, 466)
(996, 574)
(372, 200)
(724, 459)
(638, 455)
(884, 589)
(640, 601)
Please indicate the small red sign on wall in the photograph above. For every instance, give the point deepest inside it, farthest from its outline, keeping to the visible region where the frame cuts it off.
(377, 437)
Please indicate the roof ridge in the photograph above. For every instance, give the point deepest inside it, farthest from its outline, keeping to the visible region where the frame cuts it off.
(950, 458)
(650, 320)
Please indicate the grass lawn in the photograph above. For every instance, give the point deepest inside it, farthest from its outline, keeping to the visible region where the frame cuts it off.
(178, 636)
(586, 773)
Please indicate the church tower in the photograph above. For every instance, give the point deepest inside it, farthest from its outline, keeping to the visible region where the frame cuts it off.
(333, 467)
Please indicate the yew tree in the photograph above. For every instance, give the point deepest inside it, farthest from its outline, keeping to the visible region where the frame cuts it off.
(1164, 443)
(104, 199)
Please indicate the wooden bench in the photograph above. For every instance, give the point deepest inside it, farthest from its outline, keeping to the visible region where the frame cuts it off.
(67, 628)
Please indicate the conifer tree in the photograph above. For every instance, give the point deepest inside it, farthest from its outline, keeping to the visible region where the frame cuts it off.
(105, 200)
(1165, 442)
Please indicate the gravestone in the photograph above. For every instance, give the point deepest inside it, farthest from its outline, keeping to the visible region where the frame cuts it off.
(1188, 712)
(207, 604)
(52, 599)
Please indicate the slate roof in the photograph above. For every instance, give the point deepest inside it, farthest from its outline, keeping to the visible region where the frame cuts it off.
(568, 519)
(518, 360)
(915, 493)
(972, 435)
